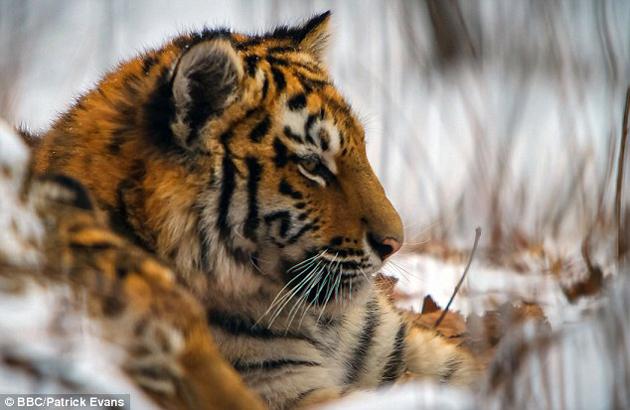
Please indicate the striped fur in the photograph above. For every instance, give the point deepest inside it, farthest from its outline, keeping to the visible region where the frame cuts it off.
(235, 158)
(84, 311)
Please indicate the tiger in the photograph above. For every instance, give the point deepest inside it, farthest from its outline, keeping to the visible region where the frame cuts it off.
(234, 157)
(58, 249)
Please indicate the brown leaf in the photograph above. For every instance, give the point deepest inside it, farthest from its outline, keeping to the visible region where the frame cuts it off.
(590, 285)
(429, 305)
(453, 325)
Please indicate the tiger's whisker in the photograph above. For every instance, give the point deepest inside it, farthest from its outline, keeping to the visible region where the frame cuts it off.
(304, 293)
(303, 267)
(333, 264)
(280, 298)
(295, 292)
(335, 285)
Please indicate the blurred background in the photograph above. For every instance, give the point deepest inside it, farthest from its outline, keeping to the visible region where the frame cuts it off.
(507, 115)
(480, 112)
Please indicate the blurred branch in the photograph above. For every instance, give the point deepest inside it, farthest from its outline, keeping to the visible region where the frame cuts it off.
(12, 16)
(461, 280)
(451, 35)
(622, 245)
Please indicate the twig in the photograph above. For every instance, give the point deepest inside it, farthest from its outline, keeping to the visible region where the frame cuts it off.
(620, 165)
(461, 280)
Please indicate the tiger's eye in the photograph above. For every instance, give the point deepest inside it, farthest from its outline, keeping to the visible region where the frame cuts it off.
(310, 164)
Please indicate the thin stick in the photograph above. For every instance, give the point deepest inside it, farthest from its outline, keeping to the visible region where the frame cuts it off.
(620, 165)
(461, 280)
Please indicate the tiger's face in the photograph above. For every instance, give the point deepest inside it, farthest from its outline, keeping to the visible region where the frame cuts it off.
(293, 192)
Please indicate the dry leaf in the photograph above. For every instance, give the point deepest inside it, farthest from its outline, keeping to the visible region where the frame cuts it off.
(453, 325)
(590, 285)
(429, 305)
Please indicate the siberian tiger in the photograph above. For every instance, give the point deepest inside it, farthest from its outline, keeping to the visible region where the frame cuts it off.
(235, 158)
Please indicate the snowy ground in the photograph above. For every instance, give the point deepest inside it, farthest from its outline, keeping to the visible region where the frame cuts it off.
(485, 287)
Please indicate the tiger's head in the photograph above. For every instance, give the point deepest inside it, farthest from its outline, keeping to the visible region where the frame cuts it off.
(295, 189)
(248, 144)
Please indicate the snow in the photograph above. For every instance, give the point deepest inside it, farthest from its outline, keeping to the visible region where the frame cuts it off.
(484, 288)
(408, 396)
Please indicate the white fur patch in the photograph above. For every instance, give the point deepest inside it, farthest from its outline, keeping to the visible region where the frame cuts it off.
(296, 120)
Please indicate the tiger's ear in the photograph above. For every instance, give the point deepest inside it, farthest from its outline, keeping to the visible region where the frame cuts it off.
(312, 36)
(205, 81)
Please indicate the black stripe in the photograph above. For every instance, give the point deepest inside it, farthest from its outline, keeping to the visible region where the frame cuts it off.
(243, 326)
(265, 87)
(81, 199)
(312, 226)
(279, 79)
(361, 350)
(292, 136)
(280, 49)
(250, 64)
(286, 189)
(228, 184)
(92, 246)
(452, 365)
(115, 144)
(290, 404)
(204, 246)
(277, 61)
(272, 364)
(148, 61)
(349, 265)
(297, 102)
(282, 153)
(285, 221)
(255, 171)
(310, 121)
(260, 130)
(250, 42)
(308, 83)
(324, 139)
(113, 305)
(340, 107)
(285, 62)
(395, 364)
(159, 112)
(336, 241)
(130, 195)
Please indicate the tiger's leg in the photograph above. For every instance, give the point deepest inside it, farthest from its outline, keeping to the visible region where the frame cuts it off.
(139, 305)
(185, 355)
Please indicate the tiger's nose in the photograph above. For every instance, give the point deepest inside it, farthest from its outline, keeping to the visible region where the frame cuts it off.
(384, 247)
